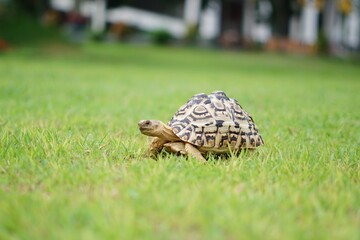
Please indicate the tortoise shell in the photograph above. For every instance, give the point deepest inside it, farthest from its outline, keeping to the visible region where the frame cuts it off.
(215, 122)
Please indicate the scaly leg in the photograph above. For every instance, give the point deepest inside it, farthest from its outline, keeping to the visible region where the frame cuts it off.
(156, 146)
(194, 152)
(175, 147)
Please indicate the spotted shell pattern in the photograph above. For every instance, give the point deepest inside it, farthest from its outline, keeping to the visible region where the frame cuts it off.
(215, 122)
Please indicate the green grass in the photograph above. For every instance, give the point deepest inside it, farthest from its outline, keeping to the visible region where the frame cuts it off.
(72, 162)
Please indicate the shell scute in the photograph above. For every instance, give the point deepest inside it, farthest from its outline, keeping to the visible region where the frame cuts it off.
(215, 122)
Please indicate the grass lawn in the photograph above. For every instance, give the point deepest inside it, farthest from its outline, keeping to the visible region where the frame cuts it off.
(72, 162)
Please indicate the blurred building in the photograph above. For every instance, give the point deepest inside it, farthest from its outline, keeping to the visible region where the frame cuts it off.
(290, 25)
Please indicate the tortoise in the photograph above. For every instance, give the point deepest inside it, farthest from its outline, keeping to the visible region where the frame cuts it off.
(206, 123)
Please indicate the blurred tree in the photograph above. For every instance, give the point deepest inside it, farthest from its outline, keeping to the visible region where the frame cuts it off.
(32, 8)
(280, 17)
(345, 6)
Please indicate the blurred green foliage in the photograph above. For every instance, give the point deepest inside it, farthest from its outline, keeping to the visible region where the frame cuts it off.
(160, 37)
(22, 29)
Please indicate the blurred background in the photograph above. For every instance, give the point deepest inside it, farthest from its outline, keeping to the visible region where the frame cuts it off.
(296, 26)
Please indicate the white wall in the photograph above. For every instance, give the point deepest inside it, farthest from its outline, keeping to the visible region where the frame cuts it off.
(98, 16)
(146, 20)
(351, 29)
(209, 27)
(192, 11)
(309, 23)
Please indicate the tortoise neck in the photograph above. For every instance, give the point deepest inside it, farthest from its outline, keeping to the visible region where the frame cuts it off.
(167, 133)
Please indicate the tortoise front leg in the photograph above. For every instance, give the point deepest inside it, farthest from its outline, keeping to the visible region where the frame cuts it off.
(175, 147)
(156, 146)
(194, 152)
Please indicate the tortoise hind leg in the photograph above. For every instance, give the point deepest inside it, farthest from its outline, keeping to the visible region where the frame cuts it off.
(194, 152)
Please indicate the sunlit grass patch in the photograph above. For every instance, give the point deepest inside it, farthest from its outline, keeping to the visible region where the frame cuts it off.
(73, 165)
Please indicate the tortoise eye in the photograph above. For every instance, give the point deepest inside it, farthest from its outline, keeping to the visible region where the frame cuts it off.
(147, 122)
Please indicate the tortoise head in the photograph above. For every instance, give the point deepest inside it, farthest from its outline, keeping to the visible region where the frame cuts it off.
(156, 128)
(151, 127)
